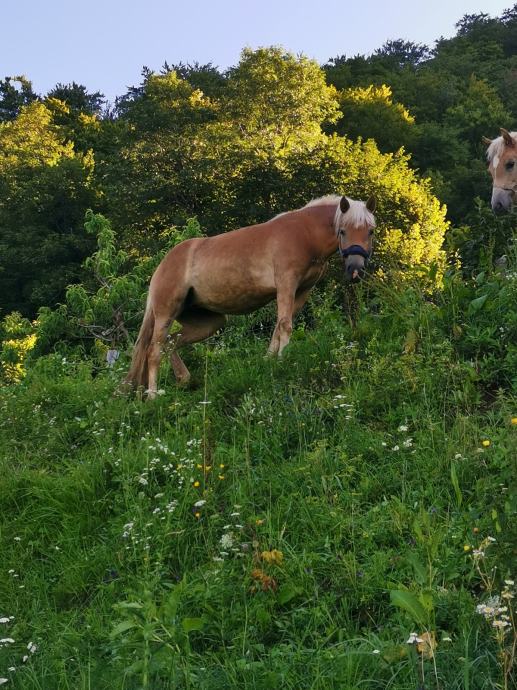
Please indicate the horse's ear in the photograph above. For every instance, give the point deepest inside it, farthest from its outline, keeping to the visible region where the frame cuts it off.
(486, 141)
(371, 204)
(344, 204)
(508, 139)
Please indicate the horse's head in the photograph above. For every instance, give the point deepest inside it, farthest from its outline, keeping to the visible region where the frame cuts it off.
(502, 164)
(354, 226)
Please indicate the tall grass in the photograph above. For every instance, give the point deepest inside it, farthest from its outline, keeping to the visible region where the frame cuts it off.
(278, 524)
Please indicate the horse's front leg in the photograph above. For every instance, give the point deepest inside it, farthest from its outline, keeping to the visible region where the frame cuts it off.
(276, 346)
(284, 322)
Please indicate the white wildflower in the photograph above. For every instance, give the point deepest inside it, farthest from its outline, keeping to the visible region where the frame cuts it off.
(413, 637)
(402, 428)
(500, 623)
(226, 540)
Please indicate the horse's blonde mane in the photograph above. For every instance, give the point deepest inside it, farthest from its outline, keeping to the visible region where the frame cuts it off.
(496, 149)
(357, 214)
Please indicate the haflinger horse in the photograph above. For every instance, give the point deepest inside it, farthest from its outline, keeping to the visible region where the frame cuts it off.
(202, 280)
(502, 164)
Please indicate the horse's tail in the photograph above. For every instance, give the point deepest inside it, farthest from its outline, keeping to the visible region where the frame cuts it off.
(138, 372)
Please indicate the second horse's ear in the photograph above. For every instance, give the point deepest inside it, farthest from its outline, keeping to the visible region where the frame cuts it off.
(344, 204)
(508, 139)
(486, 141)
(371, 204)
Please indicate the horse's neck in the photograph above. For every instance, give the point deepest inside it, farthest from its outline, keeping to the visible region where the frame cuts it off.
(323, 228)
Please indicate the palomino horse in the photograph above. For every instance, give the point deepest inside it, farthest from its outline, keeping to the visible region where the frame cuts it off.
(201, 280)
(502, 164)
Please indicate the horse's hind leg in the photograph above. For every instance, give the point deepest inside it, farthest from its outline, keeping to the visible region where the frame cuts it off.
(163, 319)
(197, 325)
(154, 353)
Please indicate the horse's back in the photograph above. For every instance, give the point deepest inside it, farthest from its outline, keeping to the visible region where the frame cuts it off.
(234, 272)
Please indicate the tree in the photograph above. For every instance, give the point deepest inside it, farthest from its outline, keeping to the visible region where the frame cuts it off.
(44, 189)
(13, 97)
(207, 78)
(371, 114)
(480, 110)
(278, 100)
(77, 98)
(399, 54)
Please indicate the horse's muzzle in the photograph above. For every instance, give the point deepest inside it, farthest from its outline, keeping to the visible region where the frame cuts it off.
(354, 269)
(502, 200)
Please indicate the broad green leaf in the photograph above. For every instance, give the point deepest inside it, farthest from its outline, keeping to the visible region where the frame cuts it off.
(477, 304)
(190, 624)
(128, 605)
(287, 592)
(427, 601)
(122, 627)
(410, 604)
(419, 568)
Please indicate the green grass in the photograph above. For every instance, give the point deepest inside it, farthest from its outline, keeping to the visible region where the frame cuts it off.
(358, 456)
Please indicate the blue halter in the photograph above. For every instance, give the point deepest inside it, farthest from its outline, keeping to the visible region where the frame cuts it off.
(354, 250)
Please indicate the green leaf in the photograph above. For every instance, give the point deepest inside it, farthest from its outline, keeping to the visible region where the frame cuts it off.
(410, 604)
(190, 624)
(456, 485)
(287, 592)
(122, 627)
(421, 574)
(427, 600)
(128, 605)
(477, 303)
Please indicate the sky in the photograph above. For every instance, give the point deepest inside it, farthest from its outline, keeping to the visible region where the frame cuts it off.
(103, 44)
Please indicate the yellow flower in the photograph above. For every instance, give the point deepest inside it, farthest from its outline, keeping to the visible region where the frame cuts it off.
(273, 557)
(221, 466)
(466, 547)
(485, 443)
(221, 476)
(259, 522)
(196, 484)
(513, 421)
(198, 515)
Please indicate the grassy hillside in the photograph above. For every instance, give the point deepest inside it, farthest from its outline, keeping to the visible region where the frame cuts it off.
(279, 524)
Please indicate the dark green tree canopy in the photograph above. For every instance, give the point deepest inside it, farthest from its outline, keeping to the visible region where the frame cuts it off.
(15, 92)
(235, 147)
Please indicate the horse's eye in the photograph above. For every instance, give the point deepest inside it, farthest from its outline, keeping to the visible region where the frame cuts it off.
(509, 165)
